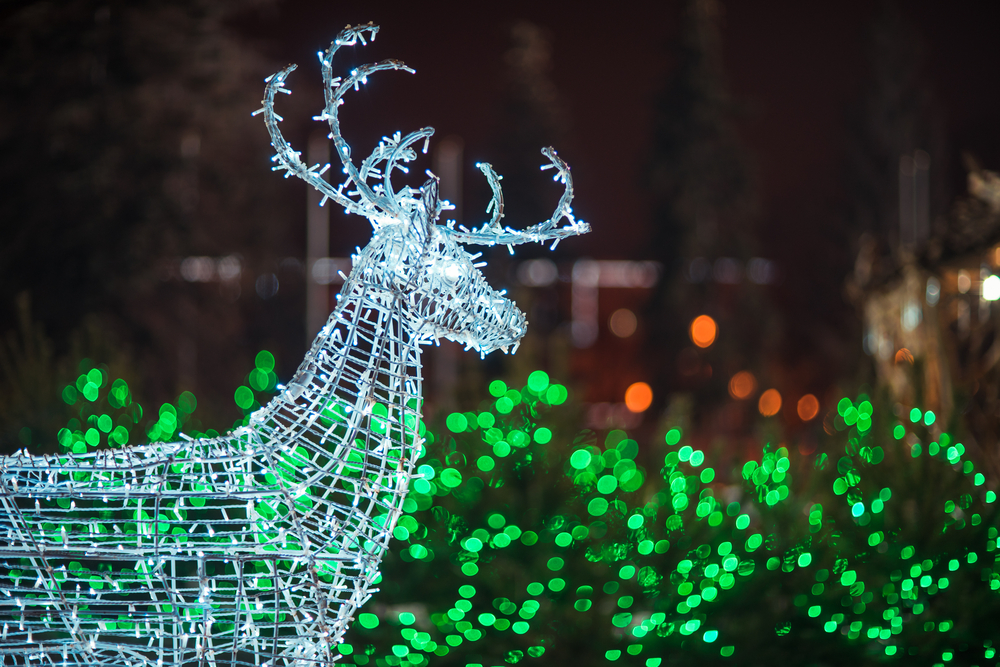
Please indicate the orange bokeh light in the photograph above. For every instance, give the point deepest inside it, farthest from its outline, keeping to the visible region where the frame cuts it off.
(769, 403)
(638, 397)
(703, 331)
(742, 385)
(808, 407)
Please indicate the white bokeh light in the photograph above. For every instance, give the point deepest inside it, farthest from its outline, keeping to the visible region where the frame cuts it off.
(991, 288)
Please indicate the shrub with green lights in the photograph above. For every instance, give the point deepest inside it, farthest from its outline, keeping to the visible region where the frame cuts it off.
(524, 537)
(108, 414)
(261, 379)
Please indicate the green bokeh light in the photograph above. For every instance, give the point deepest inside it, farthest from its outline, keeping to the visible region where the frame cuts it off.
(666, 537)
(457, 422)
(538, 381)
(264, 361)
(243, 397)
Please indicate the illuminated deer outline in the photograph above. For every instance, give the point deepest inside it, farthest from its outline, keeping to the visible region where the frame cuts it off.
(257, 547)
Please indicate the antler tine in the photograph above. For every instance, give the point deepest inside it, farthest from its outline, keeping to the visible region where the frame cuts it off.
(491, 234)
(399, 149)
(334, 90)
(285, 155)
(373, 204)
(496, 202)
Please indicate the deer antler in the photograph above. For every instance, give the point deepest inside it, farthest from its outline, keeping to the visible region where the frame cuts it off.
(492, 234)
(380, 203)
(375, 203)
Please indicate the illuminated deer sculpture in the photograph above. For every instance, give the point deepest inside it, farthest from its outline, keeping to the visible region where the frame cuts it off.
(257, 547)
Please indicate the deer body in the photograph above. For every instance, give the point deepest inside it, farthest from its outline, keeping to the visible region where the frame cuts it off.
(257, 547)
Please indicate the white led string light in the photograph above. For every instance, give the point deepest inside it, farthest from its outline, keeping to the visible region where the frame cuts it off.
(258, 547)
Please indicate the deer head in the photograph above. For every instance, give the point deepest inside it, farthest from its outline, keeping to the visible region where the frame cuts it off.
(412, 257)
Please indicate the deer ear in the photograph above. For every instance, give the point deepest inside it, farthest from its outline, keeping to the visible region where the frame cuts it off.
(430, 203)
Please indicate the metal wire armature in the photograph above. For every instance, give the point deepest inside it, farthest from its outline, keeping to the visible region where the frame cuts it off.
(257, 547)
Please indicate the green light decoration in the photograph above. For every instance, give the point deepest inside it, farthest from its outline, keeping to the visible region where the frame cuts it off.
(585, 548)
(109, 417)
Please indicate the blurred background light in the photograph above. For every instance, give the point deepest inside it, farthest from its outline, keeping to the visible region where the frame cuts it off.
(742, 385)
(327, 270)
(588, 276)
(703, 331)
(623, 323)
(769, 403)
(537, 272)
(964, 281)
(727, 271)
(991, 288)
(808, 407)
(762, 271)
(933, 293)
(267, 285)
(198, 269)
(638, 397)
(911, 315)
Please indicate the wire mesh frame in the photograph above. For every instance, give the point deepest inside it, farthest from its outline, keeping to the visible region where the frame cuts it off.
(252, 548)
(257, 547)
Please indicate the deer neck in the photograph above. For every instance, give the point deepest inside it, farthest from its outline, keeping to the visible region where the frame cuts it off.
(364, 367)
